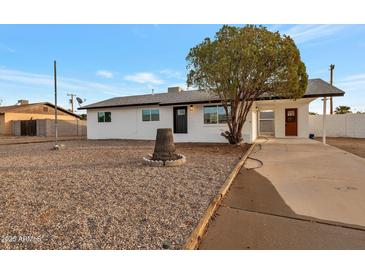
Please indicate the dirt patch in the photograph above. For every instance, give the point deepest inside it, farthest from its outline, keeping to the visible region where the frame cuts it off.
(99, 194)
(352, 145)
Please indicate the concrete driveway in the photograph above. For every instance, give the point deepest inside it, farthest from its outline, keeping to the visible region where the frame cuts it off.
(314, 179)
(305, 195)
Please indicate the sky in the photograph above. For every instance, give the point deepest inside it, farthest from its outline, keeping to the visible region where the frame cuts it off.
(98, 62)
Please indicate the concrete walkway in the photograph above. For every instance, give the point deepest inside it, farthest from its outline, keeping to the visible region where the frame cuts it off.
(305, 196)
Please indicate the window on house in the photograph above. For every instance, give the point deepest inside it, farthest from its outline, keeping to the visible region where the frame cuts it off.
(215, 115)
(155, 115)
(150, 115)
(267, 122)
(45, 109)
(104, 117)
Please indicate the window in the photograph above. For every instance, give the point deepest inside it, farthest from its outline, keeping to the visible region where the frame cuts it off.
(150, 115)
(222, 117)
(215, 115)
(104, 117)
(181, 111)
(267, 122)
(45, 109)
(155, 115)
(210, 115)
(291, 115)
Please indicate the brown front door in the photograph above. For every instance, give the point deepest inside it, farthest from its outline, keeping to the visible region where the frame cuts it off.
(291, 122)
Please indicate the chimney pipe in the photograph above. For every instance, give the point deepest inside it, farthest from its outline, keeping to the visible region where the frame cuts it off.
(23, 102)
(174, 89)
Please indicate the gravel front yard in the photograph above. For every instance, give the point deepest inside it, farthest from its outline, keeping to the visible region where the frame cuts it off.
(99, 195)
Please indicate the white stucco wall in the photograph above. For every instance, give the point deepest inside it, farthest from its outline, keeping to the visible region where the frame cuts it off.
(279, 106)
(339, 125)
(127, 124)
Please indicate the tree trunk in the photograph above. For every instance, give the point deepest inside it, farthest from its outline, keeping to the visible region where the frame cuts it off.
(234, 136)
(164, 146)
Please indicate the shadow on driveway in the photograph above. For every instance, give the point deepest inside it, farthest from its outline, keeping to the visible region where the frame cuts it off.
(253, 215)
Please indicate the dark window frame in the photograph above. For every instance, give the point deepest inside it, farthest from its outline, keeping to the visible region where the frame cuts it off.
(105, 118)
(217, 113)
(151, 116)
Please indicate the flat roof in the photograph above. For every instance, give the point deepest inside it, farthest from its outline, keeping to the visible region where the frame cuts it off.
(315, 88)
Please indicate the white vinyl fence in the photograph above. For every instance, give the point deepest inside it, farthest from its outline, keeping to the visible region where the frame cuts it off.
(339, 125)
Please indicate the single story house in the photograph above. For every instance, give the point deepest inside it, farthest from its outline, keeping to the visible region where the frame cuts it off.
(197, 116)
(26, 119)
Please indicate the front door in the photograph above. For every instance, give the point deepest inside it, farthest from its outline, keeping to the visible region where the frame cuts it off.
(291, 122)
(180, 120)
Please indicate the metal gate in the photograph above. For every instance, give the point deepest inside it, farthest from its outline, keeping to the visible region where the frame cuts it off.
(28, 128)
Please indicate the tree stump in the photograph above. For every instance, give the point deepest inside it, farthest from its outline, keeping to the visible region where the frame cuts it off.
(164, 146)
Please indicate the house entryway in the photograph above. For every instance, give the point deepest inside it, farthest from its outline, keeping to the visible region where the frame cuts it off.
(181, 119)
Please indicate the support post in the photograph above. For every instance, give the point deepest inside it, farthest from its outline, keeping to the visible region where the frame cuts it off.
(332, 67)
(55, 102)
(324, 120)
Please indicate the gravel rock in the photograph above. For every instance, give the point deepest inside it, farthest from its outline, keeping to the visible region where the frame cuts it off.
(100, 195)
(166, 245)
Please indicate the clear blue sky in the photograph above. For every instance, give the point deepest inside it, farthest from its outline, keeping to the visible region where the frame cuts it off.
(98, 62)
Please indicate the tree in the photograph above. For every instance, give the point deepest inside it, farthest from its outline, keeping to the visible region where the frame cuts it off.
(312, 113)
(242, 64)
(342, 110)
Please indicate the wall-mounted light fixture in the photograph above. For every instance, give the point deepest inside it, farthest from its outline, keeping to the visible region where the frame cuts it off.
(191, 107)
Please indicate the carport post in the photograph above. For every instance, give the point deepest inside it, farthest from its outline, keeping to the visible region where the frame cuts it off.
(324, 120)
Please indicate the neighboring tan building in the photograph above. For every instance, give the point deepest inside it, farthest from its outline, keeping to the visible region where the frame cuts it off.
(21, 119)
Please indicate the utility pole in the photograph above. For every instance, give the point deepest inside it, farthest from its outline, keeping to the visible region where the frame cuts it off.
(71, 101)
(332, 67)
(55, 102)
